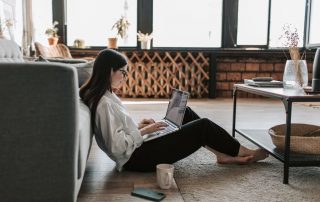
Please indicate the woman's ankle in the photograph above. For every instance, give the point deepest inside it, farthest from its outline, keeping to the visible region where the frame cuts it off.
(243, 151)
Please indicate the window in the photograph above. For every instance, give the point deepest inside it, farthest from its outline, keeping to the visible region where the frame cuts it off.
(10, 20)
(187, 23)
(253, 22)
(42, 19)
(314, 35)
(286, 12)
(92, 21)
(18, 25)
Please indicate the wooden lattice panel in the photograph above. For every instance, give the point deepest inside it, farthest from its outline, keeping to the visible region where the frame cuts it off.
(154, 74)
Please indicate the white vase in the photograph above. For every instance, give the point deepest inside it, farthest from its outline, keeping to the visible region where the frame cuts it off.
(145, 45)
(295, 74)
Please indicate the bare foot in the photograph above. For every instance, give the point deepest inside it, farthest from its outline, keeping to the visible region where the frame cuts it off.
(242, 160)
(258, 155)
(245, 156)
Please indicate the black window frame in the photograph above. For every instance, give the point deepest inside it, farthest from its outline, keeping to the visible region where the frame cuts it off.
(307, 27)
(266, 46)
(229, 26)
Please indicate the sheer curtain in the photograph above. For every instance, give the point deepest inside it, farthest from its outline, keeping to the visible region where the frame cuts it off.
(28, 30)
(7, 15)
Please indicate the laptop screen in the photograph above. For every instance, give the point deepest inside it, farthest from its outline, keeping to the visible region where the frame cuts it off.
(177, 106)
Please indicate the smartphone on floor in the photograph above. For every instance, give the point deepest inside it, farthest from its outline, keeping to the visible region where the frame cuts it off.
(148, 194)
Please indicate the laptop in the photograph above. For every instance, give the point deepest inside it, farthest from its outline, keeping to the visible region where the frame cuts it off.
(174, 115)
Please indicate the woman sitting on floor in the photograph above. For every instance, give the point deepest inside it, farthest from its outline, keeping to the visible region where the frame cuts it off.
(121, 139)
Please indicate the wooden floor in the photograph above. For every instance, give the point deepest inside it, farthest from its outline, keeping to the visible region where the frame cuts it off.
(103, 183)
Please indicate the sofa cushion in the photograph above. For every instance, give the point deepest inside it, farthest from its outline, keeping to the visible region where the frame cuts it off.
(9, 51)
(68, 61)
(84, 69)
(85, 137)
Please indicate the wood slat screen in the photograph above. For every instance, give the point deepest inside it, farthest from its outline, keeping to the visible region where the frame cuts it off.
(154, 74)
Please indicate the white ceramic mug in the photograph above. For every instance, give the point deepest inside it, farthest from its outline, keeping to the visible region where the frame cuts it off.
(165, 175)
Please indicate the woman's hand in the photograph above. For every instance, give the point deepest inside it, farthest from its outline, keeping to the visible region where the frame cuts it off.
(153, 127)
(145, 122)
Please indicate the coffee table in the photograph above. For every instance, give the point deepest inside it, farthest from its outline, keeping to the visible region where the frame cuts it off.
(261, 137)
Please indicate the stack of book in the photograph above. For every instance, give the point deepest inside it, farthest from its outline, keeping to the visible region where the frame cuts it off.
(263, 82)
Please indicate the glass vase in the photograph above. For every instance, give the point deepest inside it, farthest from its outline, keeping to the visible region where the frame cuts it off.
(295, 74)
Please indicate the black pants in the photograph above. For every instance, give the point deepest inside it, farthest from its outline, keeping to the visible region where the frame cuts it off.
(194, 133)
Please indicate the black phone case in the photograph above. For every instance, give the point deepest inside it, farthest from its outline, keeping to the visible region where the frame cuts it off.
(148, 194)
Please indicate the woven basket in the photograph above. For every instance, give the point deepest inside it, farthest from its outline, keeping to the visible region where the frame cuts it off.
(304, 138)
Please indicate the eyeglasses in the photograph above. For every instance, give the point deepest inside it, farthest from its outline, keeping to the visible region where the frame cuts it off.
(124, 72)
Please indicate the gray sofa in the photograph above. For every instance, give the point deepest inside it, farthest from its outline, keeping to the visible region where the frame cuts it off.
(45, 133)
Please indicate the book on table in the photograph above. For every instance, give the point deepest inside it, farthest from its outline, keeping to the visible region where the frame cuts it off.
(272, 83)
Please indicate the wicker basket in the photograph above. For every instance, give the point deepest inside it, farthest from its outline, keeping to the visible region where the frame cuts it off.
(304, 138)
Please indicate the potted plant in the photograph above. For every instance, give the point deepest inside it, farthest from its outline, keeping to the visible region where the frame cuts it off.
(52, 33)
(122, 26)
(145, 40)
(79, 43)
(295, 73)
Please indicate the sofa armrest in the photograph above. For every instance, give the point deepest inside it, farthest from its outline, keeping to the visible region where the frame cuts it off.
(38, 132)
(69, 61)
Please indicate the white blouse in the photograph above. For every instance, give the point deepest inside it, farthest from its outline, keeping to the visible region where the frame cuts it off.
(116, 132)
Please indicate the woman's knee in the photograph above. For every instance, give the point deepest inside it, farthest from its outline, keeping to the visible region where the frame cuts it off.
(205, 121)
(188, 109)
(201, 122)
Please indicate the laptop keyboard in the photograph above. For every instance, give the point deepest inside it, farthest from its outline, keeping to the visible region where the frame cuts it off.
(170, 128)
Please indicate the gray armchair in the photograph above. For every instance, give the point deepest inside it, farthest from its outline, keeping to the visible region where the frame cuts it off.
(45, 133)
(56, 53)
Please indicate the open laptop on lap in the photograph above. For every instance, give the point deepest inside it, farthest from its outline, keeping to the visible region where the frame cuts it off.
(174, 116)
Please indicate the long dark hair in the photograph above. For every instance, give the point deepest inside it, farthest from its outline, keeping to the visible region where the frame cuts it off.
(100, 81)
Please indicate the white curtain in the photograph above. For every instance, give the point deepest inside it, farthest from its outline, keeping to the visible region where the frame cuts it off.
(28, 30)
(7, 8)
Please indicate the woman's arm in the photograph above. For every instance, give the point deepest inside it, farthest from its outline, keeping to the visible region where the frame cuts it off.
(120, 134)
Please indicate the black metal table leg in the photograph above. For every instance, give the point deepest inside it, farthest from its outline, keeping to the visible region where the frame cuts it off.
(234, 111)
(288, 106)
